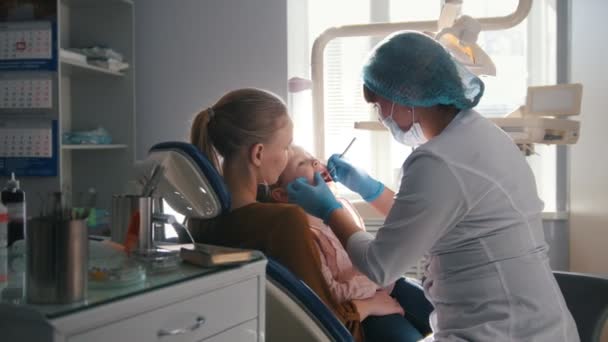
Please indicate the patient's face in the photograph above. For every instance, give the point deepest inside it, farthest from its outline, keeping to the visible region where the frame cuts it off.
(302, 164)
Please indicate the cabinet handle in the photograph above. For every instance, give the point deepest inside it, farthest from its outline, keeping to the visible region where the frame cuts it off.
(200, 320)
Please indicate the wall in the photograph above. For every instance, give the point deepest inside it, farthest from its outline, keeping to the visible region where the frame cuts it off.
(189, 52)
(588, 164)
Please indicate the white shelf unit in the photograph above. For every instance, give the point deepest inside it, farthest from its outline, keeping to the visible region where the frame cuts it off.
(91, 97)
(76, 68)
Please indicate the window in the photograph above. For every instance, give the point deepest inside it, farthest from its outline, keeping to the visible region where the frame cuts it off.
(524, 55)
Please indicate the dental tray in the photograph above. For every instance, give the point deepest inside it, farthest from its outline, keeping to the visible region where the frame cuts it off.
(115, 277)
(160, 260)
(109, 267)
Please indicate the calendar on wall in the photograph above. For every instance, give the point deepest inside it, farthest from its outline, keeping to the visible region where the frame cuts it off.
(26, 93)
(28, 147)
(29, 45)
(26, 141)
(28, 106)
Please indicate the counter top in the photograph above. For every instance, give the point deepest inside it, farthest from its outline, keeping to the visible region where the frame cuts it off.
(142, 278)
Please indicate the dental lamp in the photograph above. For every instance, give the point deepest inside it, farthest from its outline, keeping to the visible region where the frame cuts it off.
(459, 34)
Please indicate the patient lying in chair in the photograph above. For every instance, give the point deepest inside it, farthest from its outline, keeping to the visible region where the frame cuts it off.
(345, 282)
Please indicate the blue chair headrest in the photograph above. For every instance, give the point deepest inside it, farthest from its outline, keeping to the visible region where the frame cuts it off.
(211, 174)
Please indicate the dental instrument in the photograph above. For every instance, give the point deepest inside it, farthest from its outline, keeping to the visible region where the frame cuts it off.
(343, 153)
(348, 147)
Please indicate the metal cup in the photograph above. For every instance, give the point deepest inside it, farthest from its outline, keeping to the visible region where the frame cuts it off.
(123, 208)
(57, 253)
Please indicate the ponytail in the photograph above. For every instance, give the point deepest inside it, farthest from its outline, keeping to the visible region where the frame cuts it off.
(199, 137)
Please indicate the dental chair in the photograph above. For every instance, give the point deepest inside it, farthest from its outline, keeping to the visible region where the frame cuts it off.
(586, 296)
(293, 311)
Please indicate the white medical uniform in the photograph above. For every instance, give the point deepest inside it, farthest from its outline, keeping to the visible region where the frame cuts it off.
(468, 201)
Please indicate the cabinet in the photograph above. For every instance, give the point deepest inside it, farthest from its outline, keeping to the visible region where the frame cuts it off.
(83, 96)
(188, 304)
(199, 317)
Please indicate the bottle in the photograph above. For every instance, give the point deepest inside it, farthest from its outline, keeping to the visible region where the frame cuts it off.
(13, 198)
(3, 249)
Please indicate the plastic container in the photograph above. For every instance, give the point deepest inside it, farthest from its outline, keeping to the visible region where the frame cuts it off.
(13, 199)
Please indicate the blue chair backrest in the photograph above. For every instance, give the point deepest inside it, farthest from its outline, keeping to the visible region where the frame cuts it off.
(587, 299)
(309, 300)
(296, 288)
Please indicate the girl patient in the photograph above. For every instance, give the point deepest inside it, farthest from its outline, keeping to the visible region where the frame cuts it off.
(345, 282)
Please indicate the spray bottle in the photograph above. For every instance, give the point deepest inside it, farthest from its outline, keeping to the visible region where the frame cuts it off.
(13, 198)
(3, 250)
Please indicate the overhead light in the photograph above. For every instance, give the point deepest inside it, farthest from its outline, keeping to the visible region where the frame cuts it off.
(460, 39)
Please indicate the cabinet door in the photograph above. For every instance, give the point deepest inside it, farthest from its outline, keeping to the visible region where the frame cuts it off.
(191, 320)
(246, 332)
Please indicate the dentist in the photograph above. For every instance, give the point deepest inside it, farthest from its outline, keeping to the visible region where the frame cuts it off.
(467, 201)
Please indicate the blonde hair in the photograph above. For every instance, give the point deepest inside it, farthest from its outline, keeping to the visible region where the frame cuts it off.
(239, 119)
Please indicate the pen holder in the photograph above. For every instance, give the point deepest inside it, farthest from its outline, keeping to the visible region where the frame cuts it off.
(57, 252)
(123, 207)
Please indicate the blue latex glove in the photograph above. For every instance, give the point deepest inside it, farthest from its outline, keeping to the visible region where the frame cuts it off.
(317, 200)
(354, 178)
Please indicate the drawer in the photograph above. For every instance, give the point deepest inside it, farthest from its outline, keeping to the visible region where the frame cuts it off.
(246, 332)
(189, 320)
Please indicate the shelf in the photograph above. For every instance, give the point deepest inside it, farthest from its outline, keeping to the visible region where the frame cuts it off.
(93, 147)
(96, 3)
(73, 67)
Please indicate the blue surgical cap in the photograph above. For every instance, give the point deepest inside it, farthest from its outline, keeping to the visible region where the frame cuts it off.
(413, 69)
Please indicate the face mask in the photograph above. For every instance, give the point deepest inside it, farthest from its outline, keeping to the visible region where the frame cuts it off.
(412, 137)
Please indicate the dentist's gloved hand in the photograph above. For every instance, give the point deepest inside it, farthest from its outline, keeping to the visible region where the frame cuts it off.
(317, 200)
(354, 178)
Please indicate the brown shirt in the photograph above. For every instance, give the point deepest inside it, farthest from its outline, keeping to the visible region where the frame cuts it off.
(280, 231)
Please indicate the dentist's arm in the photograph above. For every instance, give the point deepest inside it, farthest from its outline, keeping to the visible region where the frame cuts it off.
(357, 180)
(319, 201)
(342, 223)
(384, 202)
(432, 201)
